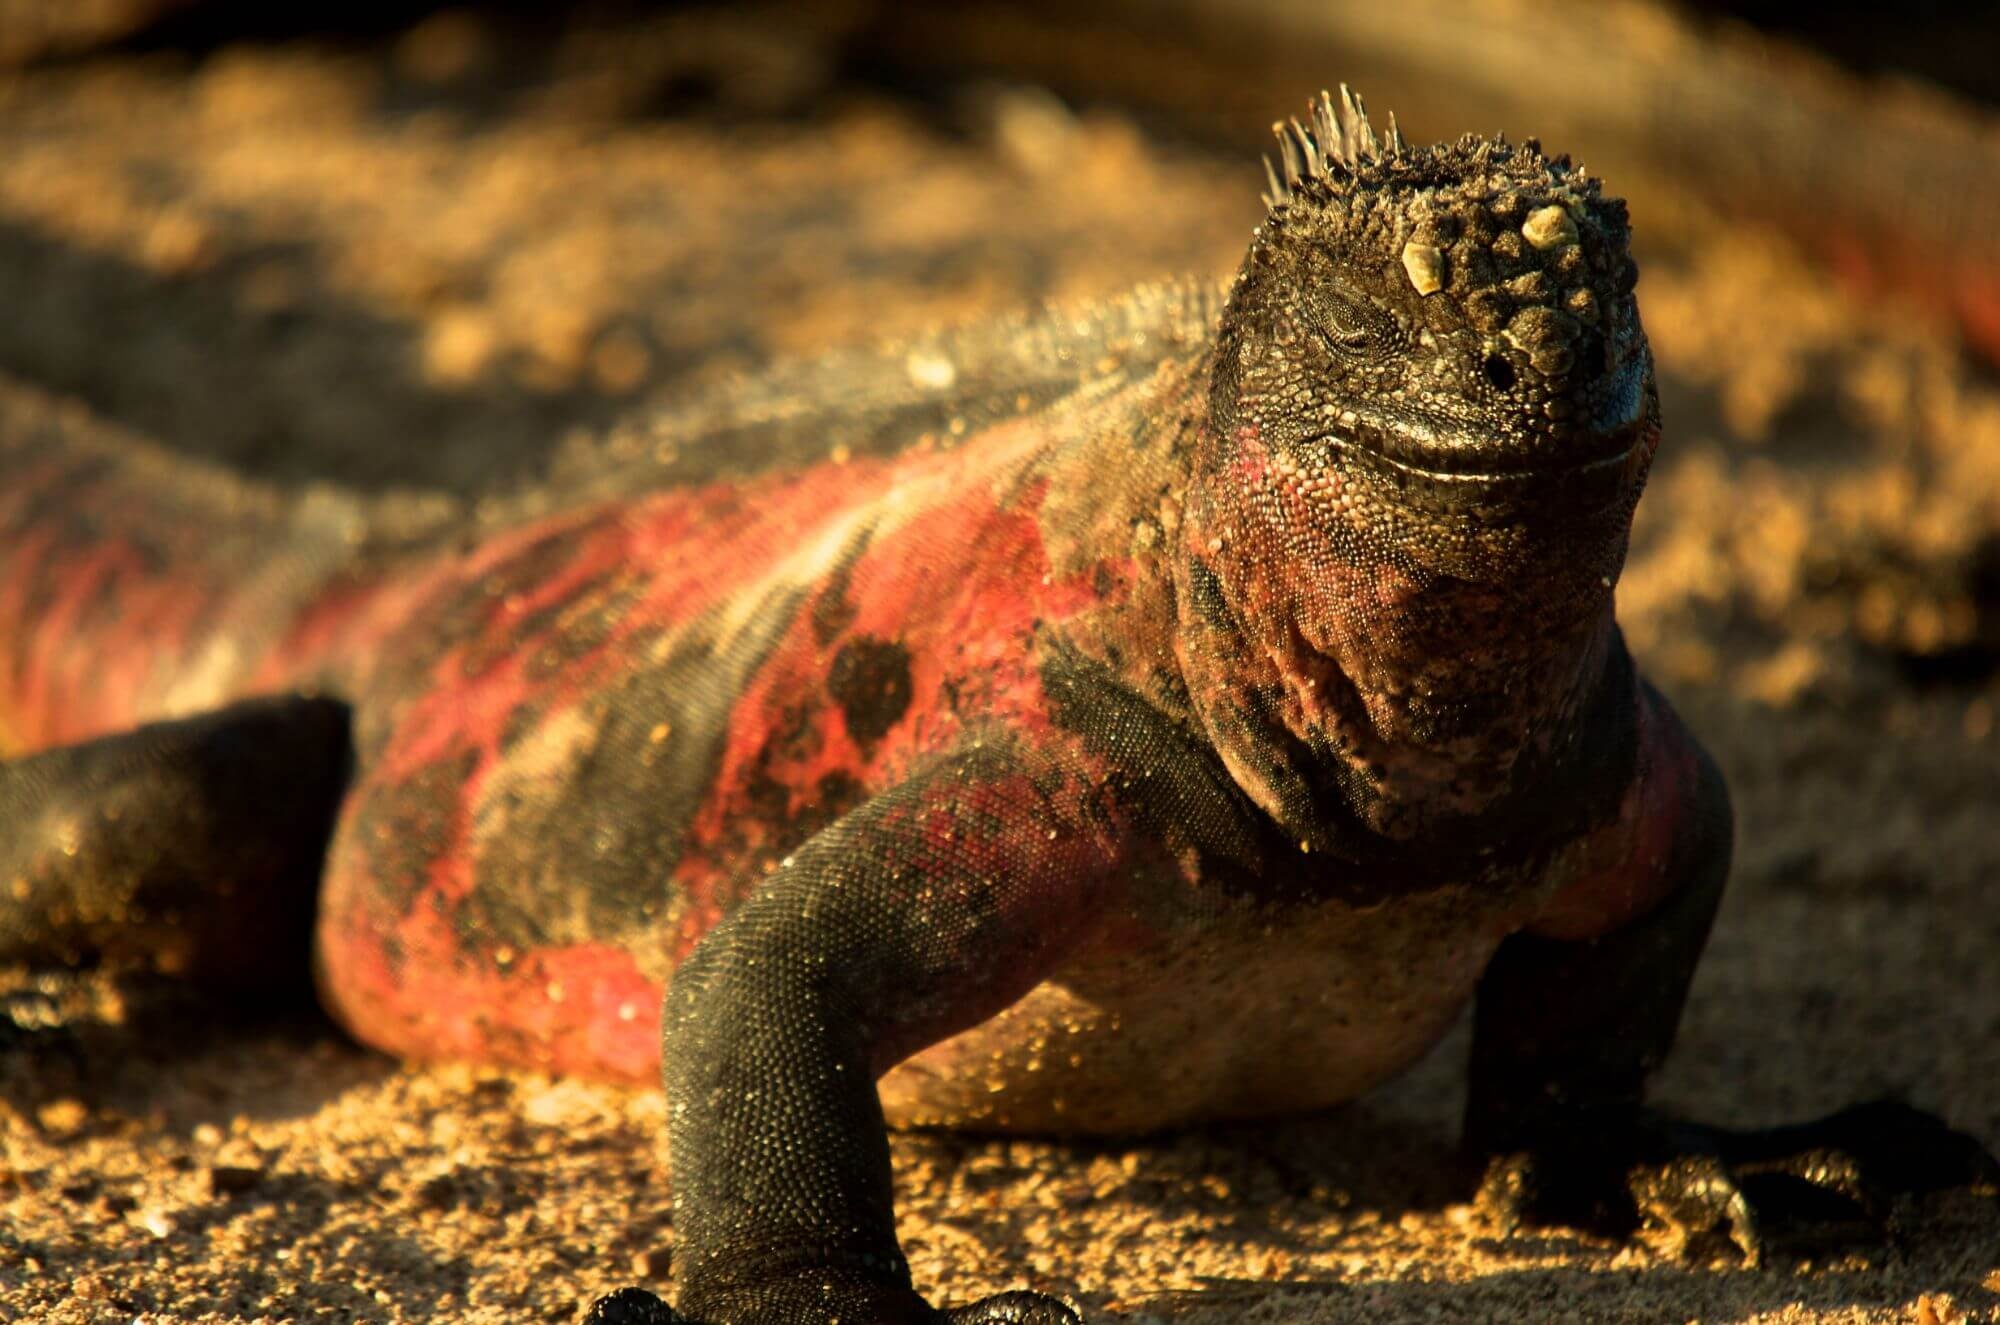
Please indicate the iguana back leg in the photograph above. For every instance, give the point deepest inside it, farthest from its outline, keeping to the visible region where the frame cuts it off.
(191, 847)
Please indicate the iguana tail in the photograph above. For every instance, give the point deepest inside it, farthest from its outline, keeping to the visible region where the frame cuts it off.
(134, 583)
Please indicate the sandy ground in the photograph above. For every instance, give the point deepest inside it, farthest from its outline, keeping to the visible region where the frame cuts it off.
(424, 261)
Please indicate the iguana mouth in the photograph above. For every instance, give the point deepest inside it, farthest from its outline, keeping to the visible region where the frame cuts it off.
(1602, 435)
(1593, 474)
(1606, 453)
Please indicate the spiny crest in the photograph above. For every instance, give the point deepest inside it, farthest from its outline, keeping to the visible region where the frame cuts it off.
(1337, 144)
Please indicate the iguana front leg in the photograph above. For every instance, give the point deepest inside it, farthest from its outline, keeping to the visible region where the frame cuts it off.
(1568, 1028)
(921, 913)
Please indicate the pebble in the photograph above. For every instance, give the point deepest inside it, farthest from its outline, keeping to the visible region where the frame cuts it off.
(229, 1179)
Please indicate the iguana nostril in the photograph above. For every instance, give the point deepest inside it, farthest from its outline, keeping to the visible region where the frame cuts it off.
(1498, 372)
(1593, 357)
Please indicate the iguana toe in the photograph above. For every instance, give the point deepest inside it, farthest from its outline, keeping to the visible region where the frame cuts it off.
(636, 1306)
(1796, 1189)
(630, 1306)
(1014, 1309)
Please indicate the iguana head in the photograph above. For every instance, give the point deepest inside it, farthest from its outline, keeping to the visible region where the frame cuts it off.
(1451, 328)
(1430, 412)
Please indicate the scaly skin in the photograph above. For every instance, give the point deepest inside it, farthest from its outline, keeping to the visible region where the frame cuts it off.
(1087, 724)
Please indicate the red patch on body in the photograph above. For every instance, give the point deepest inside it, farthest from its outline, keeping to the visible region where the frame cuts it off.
(1628, 867)
(584, 1009)
(960, 584)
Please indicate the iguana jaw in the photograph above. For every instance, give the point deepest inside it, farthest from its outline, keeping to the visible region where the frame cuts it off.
(1467, 455)
(1571, 491)
(1410, 640)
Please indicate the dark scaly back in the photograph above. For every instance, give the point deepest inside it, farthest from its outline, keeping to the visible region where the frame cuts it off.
(879, 400)
(136, 582)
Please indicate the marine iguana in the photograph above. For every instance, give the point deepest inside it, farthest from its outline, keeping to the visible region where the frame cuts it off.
(1088, 723)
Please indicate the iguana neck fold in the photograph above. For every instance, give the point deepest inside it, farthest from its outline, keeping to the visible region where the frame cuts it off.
(1347, 677)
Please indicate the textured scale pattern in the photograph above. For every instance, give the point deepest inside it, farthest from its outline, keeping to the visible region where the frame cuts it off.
(1094, 721)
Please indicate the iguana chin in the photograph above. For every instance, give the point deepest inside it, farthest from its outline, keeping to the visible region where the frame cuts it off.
(1091, 724)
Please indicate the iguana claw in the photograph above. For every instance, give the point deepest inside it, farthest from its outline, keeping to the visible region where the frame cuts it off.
(630, 1306)
(1014, 1309)
(636, 1306)
(1799, 1188)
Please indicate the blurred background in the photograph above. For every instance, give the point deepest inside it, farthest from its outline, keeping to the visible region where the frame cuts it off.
(425, 249)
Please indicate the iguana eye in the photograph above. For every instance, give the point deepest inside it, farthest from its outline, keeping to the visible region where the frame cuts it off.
(1344, 327)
